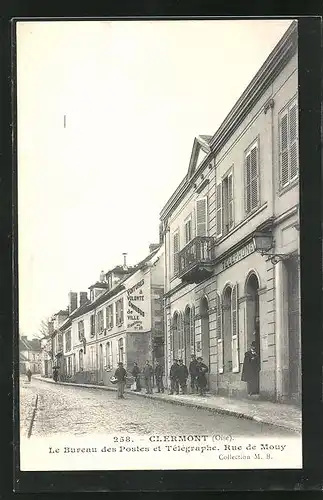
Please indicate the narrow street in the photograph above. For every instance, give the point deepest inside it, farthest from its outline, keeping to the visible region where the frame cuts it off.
(80, 411)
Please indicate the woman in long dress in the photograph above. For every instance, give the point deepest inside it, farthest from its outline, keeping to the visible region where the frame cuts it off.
(250, 370)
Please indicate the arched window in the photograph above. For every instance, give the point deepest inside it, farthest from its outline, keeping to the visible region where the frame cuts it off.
(192, 330)
(175, 336)
(227, 330)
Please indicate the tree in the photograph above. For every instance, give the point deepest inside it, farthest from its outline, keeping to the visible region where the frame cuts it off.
(44, 330)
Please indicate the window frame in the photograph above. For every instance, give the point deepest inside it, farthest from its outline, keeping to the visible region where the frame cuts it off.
(176, 267)
(187, 221)
(225, 203)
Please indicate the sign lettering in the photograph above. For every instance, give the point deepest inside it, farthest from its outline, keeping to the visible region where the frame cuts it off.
(238, 255)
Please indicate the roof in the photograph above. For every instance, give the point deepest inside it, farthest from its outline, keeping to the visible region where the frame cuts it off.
(99, 284)
(29, 345)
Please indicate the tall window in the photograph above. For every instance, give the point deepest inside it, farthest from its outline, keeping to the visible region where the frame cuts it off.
(81, 360)
(92, 320)
(109, 316)
(176, 251)
(201, 216)
(121, 350)
(68, 345)
(108, 355)
(188, 230)
(100, 321)
(119, 312)
(227, 197)
(92, 357)
(80, 327)
(288, 147)
(252, 178)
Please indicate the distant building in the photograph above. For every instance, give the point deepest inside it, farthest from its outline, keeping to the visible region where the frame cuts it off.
(29, 355)
(122, 320)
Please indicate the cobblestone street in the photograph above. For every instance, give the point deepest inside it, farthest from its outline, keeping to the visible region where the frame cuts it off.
(80, 411)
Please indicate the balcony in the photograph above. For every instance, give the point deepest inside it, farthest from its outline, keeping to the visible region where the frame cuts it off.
(196, 260)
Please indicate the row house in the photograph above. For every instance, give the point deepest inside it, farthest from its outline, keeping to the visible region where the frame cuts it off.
(232, 243)
(122, 320)
(29, 355)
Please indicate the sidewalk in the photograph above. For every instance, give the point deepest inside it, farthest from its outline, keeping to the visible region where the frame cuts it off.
(280, 415)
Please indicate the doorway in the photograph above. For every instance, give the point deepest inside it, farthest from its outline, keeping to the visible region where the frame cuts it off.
(253, 323)
(227, 330)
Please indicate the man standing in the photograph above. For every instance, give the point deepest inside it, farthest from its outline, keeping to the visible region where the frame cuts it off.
(250, 370)
(148, 373)
(120, 375)
(174, 386)
(193, 373)
(136, 375)
(29, 374)
(55, 374)
(202, 370)
(182, 376)
(159, 373)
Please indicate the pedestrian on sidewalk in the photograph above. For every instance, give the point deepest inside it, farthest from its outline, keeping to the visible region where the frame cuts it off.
(120, 375)
(202, 370)
(29, 374)
(173, 375)
(159, 373)
(55, 375)
(193, 373)
(182, 376)
(148, 373)
(250, 369)
(136, 375)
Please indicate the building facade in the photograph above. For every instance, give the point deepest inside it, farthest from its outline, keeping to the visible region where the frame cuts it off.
(29, 355)
(121, 321)
(232, 243)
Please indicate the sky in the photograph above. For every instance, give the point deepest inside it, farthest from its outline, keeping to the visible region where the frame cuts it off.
(135, 94)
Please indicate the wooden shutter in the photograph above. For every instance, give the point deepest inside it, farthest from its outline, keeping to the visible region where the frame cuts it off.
(248, 182)
(175, 252)
(293, 141)
(254, 187)
(219, 332)
(235, 330)
(219, 210)
(180, 335)
(201, 217)
(105, 355)
(121, 311)
(230, 201)
(192, 330)
(284, 177)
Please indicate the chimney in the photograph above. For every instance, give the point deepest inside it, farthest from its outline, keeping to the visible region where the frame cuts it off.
(124, 260)
(102, 276)
(153, 246)
(72, 302)
(83, 298)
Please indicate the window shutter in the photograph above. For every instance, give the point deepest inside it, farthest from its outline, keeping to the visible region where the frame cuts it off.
(248, 182)
(201, 217)
(230, 201)
(293, 138)
(235, 330)
(105, 356)
(121, 310)
(284, 150)
(219, 210)
(254, 177)
(176, 250)
(180, 335)
(219, 332)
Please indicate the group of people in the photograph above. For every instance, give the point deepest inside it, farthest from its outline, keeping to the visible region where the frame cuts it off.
(179, 374)
(147, 374)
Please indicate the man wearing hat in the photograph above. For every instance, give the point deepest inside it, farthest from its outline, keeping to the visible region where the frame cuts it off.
(120, 375)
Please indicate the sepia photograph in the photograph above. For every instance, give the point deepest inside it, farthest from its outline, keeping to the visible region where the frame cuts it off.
(158, 255)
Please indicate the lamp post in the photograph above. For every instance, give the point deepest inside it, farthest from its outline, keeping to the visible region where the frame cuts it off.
(263, 242)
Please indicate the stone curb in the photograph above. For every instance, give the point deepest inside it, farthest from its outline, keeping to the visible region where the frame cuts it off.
(30, 418)
(178, 402)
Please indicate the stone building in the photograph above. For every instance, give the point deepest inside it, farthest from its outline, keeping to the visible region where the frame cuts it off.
(121, 321)
(29, 355)
(232, 243)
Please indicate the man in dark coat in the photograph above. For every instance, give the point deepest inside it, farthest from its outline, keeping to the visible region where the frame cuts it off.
(29, 374)
(202, 370)
(55, 374)
(250, 370)
(193, 373)
(182, 376)
(148, 373)
(173, 375)
(136, 375)
(120, 375)
(159, 373)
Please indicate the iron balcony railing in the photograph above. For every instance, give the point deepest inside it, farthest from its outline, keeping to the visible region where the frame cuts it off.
(200, 250)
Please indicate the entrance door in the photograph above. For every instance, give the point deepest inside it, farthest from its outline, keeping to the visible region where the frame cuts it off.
(253, 328)
(205, 330)
(294, 338)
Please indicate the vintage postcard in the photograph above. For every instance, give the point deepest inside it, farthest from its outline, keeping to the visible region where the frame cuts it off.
(159, 263)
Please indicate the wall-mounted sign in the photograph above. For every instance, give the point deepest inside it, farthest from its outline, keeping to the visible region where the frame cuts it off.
(238, 255)
(135, 314)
